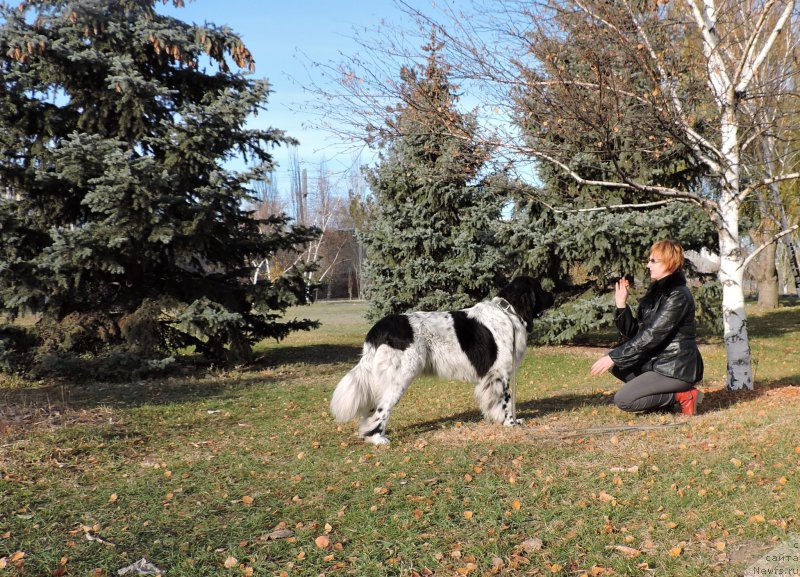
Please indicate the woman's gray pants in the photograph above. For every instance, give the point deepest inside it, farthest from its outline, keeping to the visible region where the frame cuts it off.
(649, 391)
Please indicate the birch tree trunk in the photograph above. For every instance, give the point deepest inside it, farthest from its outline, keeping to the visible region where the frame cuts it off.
(729, 84)
(734, 316)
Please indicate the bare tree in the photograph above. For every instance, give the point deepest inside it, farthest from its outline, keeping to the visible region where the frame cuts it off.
(359, 207)
(299, 187)
(267, 203)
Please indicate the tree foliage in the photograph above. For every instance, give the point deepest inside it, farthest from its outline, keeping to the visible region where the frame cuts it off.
(432, 239)
(120, 224)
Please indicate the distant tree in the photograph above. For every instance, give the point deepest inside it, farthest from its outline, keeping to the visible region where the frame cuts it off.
(432, 240)
(123, 228)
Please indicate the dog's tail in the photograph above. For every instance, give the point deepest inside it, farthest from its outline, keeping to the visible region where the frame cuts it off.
(353, 394)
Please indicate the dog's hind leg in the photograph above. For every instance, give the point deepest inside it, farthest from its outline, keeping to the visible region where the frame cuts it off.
(395, 374)
(494, 399)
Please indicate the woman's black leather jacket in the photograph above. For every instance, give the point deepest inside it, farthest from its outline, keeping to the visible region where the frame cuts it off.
(662, 337)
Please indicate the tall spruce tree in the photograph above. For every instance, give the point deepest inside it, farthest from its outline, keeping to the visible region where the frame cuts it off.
(432, 241)
(120, 224)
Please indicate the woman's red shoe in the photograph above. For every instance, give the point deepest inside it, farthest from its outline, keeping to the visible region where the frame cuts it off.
(688, 401)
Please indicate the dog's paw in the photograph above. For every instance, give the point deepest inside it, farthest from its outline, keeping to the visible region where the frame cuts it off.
(509, 422)
(377, 440)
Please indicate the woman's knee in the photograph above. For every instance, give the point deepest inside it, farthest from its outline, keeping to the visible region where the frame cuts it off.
(623, 402)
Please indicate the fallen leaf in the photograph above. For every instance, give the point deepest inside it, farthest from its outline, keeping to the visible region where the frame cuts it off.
(279, 534)
(605, 497)
(675, 551)
(516, 505)
(468, 514)
(756, 519)
(247, 500)
(322, 541)
(627, 551)
(532, 544)
(113, 498)
(17, 556)
(231, 562)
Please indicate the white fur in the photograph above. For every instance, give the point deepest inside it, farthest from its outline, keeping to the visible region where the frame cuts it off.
(372, 388)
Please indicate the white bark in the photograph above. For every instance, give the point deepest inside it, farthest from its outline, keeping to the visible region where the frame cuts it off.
(734, 316)
(728, 89)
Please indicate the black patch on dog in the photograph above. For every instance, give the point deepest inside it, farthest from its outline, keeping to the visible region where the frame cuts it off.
(392, 330)
(476, 341)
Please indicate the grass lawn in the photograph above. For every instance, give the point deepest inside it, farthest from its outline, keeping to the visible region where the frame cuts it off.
(245, 473)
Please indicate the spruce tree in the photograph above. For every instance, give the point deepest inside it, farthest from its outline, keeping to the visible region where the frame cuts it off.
(121, 224)
(432, 240)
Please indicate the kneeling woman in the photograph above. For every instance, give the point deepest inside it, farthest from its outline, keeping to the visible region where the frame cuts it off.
(659, 359)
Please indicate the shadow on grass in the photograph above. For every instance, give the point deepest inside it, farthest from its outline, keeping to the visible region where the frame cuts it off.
(321, 354)
(80, 396)
(721, 399)
(532, 409)
(775, 322)
(717, 400)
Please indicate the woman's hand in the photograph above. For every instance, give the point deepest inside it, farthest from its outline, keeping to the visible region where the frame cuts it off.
(601, 365)
(621, 293)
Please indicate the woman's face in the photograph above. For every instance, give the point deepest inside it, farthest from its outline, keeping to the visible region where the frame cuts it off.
(657, 268)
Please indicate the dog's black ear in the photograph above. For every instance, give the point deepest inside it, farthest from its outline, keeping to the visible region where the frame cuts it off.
(522, 294)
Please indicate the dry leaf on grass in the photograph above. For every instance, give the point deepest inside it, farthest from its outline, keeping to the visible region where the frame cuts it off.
(676, 551)
(627, 551)
(322, 541)
(532, 544)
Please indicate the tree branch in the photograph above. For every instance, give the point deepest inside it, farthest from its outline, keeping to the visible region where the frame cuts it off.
(775, 238)
(749, 71)
(659, 190)
(766, 182)
(611, 207)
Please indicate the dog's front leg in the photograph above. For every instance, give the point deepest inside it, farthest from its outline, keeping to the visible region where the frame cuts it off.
(508, 407)
(494, 400)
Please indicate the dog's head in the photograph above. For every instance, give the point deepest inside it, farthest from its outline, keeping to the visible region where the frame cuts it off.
(528, 298)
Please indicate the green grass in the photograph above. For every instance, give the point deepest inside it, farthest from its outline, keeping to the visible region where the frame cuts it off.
(195, 472)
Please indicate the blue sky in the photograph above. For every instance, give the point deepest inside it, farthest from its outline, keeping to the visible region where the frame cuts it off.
(276, 31)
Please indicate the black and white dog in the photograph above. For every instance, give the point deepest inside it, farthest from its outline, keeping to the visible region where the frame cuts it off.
(483, 344)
